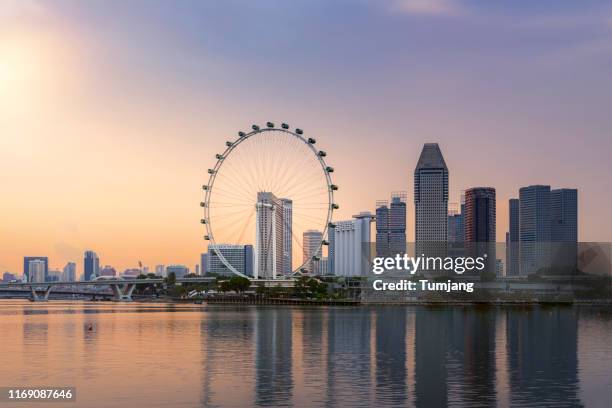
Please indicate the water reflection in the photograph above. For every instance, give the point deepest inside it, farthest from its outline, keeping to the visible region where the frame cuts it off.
(542, 356)
(385, 356)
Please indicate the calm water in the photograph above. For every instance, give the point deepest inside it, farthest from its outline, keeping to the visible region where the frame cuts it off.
(157, 355)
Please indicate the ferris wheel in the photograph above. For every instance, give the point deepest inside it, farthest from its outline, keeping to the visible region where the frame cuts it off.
(268, 204)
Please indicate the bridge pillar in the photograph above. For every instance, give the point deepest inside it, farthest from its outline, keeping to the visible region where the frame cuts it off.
(36, 298)
(122, 293)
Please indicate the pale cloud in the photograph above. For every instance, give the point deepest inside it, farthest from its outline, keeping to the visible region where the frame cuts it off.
(428, 7)
(19, 8)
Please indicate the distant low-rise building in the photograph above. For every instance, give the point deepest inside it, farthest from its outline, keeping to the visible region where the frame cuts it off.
(37, 270)
(69, 272)
(179, 271)
(131, 273)
(108, 271)
(8, 277)
(160, 270)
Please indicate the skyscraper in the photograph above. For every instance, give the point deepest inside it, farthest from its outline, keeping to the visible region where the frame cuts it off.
(91, 265)
(69, 272)
(397, 223)
(26, 265)
(312, 249)
(382, 228)
(431, 202)
(287, 235)
(480, 225)
(268, 236)
(564, 228)
(352, 245)
(391, 225)
(512, 239)
(534, 228)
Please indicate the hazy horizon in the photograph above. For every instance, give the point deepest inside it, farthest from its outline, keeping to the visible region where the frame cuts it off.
(111, 112)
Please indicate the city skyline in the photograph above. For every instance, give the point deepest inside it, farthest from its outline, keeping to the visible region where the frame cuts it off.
(525, 103)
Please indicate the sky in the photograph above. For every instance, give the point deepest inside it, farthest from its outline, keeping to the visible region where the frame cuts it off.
(111, 111)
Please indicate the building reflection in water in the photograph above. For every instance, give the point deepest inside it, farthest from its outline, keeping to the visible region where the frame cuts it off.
(431, 337)
(391, 356)
(348, 358)
(542, 356)
(273, 358)
(391, 384)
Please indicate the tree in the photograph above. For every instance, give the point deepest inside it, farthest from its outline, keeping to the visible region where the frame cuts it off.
(239, 284)
(307, 287)
(224, 286)
(171, 279)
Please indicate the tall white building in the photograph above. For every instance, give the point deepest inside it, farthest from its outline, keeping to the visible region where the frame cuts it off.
(287, 235)
(352, 245)
(37, 270)
(431, 202)
(69, 272)
(268, 236)
(312, 249)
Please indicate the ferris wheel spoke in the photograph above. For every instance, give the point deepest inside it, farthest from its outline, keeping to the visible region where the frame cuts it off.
(236, 181)
(240, 174)
(245, 226)
(302, 186)
(231, 198)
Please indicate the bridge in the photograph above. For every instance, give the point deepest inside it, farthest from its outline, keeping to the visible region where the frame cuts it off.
(123, 288)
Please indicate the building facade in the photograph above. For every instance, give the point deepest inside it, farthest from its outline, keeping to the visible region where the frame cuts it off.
(37, 271)
(331, 249)
(311, 254)
(109, 271)
(431, 202)
(397, 223)
(179, 271)
(91, 265)
(287, 206)
(564, 229)
(268, 236)
(480, 225)
(391, 225)
(512, 238)
(69, 272)
(382, 228)
(534, 228)
(240, 257)
(352, 245)
(26, 265)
